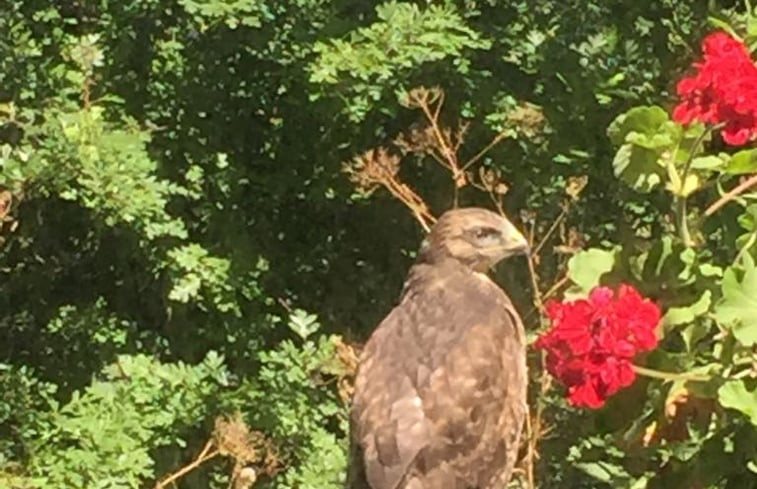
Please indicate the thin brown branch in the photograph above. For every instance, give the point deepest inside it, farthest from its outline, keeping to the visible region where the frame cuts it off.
(460, 136)
(536, 432)
(497, 201)
(555, 288)
(532, 232)
(499, 137)
(534, 418)
(421, 219)
(439, 105)
(433, 120)
(208, 452)
(440, 159)
(377, 167)
(730, 195)
(530, 454)
(535, 283)
(412, 200)
(552, 229)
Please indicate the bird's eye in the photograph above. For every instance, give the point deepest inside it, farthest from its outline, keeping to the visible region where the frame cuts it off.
(483, 233)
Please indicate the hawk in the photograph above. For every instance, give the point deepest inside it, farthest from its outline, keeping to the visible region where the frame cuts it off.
(440, 392)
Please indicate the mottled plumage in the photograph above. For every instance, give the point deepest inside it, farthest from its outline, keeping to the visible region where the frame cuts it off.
(440, 394)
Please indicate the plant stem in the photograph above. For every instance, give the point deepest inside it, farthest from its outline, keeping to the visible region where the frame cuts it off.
(730, 195)
(208, 452)
(499, 137)
(433, 120)
(557, 285)
(690, 159)
(681, 207)
(657, 374)
(683, 224)
(552, 229)
(537, 298)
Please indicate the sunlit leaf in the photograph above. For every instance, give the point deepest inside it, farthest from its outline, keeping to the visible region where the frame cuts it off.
(738, 310)
(586, 268)
(644, 120)
(735, 394)
(744, 161)
(638, 167)
(685, 314)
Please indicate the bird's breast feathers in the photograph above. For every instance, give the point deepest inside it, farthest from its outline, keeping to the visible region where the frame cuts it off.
(441, 386)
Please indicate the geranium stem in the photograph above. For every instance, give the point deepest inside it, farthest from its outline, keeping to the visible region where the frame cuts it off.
(683, 222)
(681, 210)
(657, 374)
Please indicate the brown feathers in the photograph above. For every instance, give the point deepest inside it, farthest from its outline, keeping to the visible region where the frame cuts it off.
(439, 397)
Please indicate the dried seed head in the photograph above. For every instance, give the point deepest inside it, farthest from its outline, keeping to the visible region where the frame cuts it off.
(575, 186)
(371, 169)
(234, 438)
(528, 120)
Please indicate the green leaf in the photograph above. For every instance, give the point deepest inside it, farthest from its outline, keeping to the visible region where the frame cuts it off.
(742, 162)
(372, 59)
(738, 310)
(709, 162)
(645, 120)
(748, 220)
(650, 141)
(600, 470)
(638, 167)
(586, 268)
(683, 315)
(303, 324)
(736, 395)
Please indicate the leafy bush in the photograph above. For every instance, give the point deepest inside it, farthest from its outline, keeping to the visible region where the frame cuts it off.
(171, 186)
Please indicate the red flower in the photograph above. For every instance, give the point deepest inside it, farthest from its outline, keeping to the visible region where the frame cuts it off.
(723, 91)
(592, 341)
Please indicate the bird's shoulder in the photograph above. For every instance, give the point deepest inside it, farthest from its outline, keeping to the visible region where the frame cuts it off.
(439, 305)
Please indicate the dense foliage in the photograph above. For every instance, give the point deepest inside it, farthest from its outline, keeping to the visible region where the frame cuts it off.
(201, 215)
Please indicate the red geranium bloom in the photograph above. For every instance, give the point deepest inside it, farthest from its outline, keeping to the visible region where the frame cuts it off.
(723, 90)
(592, 341)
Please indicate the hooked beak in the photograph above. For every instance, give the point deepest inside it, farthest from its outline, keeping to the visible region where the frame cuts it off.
(513, 241)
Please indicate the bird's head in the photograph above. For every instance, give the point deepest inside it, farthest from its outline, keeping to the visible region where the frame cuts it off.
(474, 236)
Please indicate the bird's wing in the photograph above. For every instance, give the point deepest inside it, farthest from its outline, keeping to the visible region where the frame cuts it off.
(385, 404)
(440, 396)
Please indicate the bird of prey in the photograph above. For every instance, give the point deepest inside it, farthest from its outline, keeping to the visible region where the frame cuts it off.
(440, 392)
